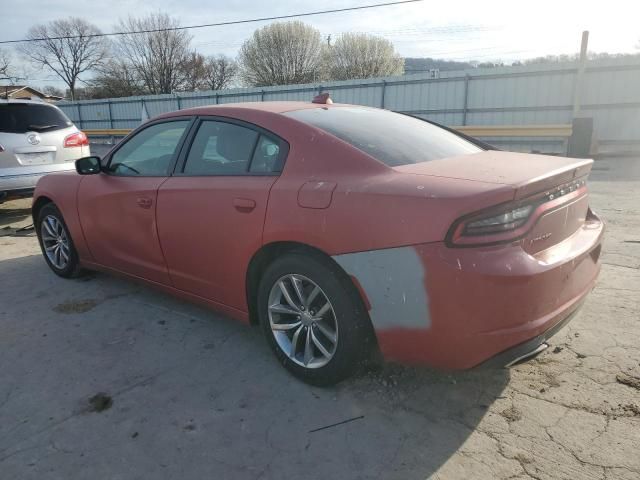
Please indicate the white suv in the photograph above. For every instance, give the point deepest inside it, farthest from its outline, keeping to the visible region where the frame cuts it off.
(36, 138)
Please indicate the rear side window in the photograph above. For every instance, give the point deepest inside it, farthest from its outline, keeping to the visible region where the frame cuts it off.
(391, 138)
(266, 158)
(222, 148)
(28, 117)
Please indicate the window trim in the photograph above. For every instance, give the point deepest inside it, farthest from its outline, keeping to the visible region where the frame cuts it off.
(188, 143)
(170, 167)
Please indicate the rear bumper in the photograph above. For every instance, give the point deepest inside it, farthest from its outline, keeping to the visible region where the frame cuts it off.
(530, 348)
(21, 181)
(473, 304)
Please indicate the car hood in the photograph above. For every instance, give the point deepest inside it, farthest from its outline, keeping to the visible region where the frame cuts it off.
(525, 173)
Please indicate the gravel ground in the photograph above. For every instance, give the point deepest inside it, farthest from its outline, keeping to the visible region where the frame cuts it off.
(103, 378)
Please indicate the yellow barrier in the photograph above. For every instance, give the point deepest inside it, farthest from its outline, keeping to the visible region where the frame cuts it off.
(118, 132)
(472, 130)
(516, 130)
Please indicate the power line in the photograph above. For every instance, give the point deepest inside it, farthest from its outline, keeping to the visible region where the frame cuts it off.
(447, 33)
(219, 24)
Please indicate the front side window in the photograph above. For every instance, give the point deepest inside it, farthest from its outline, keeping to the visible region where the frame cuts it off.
(150, 152)
(389, 137)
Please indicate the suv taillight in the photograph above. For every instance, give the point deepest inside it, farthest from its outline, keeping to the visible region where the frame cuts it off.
(78, 139)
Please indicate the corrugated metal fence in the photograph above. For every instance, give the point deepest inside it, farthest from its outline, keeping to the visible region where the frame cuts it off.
(527, 95)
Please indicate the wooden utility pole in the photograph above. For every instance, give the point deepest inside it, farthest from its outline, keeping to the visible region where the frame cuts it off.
(577, 88)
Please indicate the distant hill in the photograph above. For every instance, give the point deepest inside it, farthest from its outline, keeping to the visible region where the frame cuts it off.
(418, 65)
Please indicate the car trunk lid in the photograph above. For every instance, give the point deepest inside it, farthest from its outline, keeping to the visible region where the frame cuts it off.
(556, 182)
(526, 173)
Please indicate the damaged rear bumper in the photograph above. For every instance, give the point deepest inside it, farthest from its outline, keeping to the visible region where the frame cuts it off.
(530, 348)
(458, 308)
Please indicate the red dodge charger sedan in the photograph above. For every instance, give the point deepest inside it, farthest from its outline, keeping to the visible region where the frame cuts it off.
(342, 230)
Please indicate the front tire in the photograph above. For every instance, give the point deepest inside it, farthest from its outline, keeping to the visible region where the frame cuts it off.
(56, 243)
(314, 318)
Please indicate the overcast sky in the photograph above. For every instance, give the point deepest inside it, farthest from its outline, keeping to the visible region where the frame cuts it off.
(455, 29)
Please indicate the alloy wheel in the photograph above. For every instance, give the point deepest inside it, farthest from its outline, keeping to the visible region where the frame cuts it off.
(303, 321)
(55, 242)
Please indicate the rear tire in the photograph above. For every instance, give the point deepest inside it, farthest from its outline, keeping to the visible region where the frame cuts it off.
(314, 318)
(56, 242)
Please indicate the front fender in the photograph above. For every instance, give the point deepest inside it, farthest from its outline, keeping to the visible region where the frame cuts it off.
(62, 190)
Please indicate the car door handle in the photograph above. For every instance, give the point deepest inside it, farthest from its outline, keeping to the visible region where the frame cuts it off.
(244, 204)
(144, 202)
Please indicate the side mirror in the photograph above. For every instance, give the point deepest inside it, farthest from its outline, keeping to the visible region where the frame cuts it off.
(88, 165)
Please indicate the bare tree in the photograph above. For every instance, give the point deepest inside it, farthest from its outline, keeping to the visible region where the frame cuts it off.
(157, 57)
(220, 72)
(281, 54)
(360, 55)
(194, 73)
(115, 78)
(54, 91)
(67, 47)
(5, 64)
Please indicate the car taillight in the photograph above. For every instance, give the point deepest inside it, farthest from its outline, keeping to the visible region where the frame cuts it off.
(502, 222)
(492, 226)
(78, 139)
(510, 222)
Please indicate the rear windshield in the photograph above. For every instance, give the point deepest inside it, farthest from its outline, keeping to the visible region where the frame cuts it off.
(27, 117)
(390, 137)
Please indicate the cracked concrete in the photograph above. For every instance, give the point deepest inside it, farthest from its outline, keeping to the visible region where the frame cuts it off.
(196, 395)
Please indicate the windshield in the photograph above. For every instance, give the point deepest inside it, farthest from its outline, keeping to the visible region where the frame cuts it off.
(392, 138)
(28, 117)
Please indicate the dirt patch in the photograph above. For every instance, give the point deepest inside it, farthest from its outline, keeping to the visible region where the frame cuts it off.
(551, 380)
(631, 408)
(511, 414)
(633, 382)
(76, 306)
(522, 458)
(100, 402)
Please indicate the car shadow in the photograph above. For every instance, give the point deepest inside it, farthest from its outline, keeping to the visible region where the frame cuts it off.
(15, 214)
(192, 394)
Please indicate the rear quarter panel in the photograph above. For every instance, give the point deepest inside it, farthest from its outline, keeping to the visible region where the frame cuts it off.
(371, 206)
(62, 190)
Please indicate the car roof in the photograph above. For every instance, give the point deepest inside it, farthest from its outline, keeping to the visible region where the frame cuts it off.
(270, 107)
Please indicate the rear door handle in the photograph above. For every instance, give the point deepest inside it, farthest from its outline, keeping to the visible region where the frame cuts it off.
(244, 204)
(144, 202)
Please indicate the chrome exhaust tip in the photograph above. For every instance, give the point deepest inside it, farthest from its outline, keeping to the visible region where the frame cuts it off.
(536, 351)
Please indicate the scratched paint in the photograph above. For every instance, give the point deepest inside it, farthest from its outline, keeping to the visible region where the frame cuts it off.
(393, 280)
